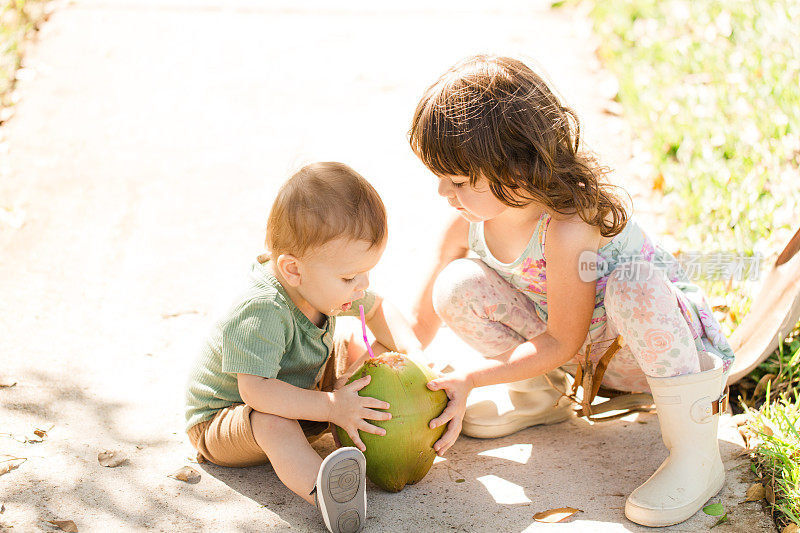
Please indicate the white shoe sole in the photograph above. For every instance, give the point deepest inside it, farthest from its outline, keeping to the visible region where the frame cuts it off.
(647, 516)
(341, 490)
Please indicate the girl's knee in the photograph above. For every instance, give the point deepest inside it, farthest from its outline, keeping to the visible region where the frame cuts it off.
(457, 283)
(634, 282)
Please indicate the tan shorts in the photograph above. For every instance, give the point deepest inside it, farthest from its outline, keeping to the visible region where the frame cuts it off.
(228, 440)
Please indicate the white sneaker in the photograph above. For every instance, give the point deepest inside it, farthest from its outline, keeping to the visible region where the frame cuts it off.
(341, 490)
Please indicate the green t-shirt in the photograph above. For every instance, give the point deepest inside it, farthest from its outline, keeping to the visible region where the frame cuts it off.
(264, 334)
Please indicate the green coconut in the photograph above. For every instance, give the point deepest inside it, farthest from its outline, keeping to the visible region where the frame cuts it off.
(405, 454)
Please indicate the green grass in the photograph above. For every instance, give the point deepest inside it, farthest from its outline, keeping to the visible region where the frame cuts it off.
(776, 458)
(712, 90)
(19, 20)
(780, 374)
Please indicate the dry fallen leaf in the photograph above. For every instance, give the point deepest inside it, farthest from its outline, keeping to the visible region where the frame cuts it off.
(770, 428)
(740, 419)
(761, 386)
(65, 525)
(111, 458)
(755, 492)
(187, 474)
(35, 438)
(6, 383)
(555, 515)
(613, 108)
(791, 528)
(10, 463)
(769, 494)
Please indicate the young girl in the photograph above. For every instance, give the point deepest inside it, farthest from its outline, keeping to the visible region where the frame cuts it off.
(533, 208)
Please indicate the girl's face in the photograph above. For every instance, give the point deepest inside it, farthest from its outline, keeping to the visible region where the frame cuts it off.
(476, 204)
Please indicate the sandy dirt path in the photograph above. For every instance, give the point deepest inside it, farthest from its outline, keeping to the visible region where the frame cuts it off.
(144, 155)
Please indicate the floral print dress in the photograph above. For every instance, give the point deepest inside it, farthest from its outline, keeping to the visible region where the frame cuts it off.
(527, 274)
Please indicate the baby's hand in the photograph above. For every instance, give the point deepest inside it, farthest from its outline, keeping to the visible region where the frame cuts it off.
(351, 411)
(457, 386)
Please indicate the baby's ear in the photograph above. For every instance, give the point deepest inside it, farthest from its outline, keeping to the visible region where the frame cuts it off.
(289, 268)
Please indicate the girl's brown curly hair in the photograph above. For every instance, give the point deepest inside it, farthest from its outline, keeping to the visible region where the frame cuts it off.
(494, 117)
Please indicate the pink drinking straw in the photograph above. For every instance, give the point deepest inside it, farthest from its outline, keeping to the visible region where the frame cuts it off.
(364, 330)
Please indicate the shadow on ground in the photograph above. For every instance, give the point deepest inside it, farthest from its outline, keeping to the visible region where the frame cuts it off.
(512, 478)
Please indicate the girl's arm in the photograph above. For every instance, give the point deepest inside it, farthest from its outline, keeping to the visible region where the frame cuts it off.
(452, 245)
(392, 330)
(570, 303)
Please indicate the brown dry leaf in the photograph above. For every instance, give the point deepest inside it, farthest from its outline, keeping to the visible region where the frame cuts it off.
(111, 458)
(42, 433)
(755, 492)
(38, 435)
(7, 383)
(791, 528)
(740, 419)
(65, 525)
(613, 108)
(769, 494)
(555, 515)
(761, 386)
(187, 474)
(10, 463)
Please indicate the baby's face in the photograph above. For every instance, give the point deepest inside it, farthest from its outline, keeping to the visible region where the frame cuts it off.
(336, 274)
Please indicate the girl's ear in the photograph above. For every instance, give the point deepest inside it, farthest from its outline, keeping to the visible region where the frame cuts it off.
(289, 268)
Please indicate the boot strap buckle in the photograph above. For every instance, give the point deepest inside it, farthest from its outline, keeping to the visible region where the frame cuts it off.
(720, 405)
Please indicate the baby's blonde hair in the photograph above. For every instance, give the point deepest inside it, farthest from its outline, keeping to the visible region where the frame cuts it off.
(322, 202)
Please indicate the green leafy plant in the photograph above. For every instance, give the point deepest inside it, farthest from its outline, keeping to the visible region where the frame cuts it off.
(776, 454)
(19, 20)
(711, 88)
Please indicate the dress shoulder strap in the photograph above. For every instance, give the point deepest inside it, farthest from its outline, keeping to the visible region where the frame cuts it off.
(544, 223)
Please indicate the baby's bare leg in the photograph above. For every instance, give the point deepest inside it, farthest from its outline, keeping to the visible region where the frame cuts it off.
(294, 460)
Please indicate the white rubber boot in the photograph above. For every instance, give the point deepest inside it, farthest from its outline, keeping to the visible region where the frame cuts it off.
(693, 472)
(500, 410)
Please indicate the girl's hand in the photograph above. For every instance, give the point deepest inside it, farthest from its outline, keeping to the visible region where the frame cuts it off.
(350, 411)
(457, 386)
